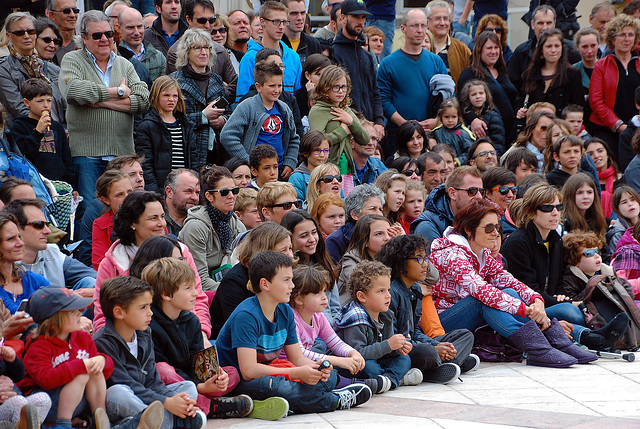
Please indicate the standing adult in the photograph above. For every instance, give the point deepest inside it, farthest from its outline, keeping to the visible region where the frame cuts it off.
(168, 27)
(333, 10)
(103, 93)
(65, 14)
(238, 37)
(294, 35)
(48, 39)
(495, 24)
(587, 41)
(133, 45)
(405, 75)
(182, 192)
(488, 64)
(614, 81)
(347, 51)
(599, 17)
(455, 54)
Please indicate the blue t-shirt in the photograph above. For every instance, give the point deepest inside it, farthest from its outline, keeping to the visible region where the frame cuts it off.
(271, 131)
(31, 282)
(248, 327)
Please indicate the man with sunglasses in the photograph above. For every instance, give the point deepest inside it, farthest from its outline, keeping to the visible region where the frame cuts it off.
(294, 35)
(133, 45)
(168, 27)
(103, 93)
(65, 15)
(463, 185)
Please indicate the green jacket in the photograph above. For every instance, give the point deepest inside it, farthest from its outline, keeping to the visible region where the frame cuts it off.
(321, 118)
(153, 60)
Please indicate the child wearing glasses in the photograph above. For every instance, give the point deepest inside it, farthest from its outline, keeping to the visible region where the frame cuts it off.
(476, 98)
(332, 115)
(314, 151)
(452, 131)
(210, 229)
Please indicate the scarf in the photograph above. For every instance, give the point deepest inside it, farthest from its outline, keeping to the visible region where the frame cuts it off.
(608, 177)
(131, 251)
(201, 79)
(31, 63)
(221, 225)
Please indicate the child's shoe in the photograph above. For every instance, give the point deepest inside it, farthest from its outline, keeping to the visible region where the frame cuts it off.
(28, 418)
(352, 396)
(413, 377)
(101, 419)
(471, 362)
(238, 406)
(152, 417)
(443, 374)
(199, 421)
(377, 384)
(270, 409)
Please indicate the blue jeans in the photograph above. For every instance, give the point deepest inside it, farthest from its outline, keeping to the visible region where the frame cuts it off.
(87, 170)
(122, 402)
(466, 29)
(389, 30)
(144, 6)
(303, 398)
(393, 367)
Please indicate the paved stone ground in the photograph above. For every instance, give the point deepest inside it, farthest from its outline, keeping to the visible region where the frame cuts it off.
(605, 394)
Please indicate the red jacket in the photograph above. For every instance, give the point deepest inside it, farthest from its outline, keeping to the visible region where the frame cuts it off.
(602, 91)
(101, 237)
(50, 362)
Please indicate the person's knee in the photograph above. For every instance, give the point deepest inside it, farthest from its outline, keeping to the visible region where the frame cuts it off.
(81, 379)
(119, 391)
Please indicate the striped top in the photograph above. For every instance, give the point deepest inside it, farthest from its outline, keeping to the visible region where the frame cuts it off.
(177, 147)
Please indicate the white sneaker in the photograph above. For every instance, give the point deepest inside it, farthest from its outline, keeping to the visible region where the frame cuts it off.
(413, 377)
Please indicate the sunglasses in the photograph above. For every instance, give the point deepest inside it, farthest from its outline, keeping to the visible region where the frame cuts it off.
(497, 29)
(68, 10)
(328, 178)
(48, 40)
(504, 190)
(420, 259)
(39, 224)
(473, 190)
(98, 34)
(590, 252)
(20, 33)
(489, 228)
(410, 173)
(221, 30)
(203, 21)
(225, 191)
(287, 205)
(548, 208)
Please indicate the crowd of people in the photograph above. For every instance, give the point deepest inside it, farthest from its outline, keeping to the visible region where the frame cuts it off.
(336, 217)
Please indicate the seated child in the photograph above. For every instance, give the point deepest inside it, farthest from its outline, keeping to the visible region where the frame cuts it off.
(135, 382)
(263, 164)
(308, 301)
(177, 335)
(42, 140)
(314, 150)
(246, 209)
(367, 324)
(255, 334)
(441, 358)
(276, 199)
(413, 206)
(452, 131)
(61, 359)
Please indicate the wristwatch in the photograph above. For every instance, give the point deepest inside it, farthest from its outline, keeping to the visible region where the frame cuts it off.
(120, 92)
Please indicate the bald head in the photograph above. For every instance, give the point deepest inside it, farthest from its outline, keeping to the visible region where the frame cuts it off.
(413, 14)
(131, 27)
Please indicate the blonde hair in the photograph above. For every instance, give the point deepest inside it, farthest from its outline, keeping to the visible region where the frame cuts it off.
(270, 192)
(260, 239)
(52, 327)
(539, 194)
(245, 198)
(163, 84)
(413, 185)
(384, 182)
(166, 275)
(9, 22)
(616, 25)
(314, 178)
(190, 38)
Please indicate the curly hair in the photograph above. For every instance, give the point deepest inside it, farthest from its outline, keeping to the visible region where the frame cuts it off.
(574, 241)
(355, 201)
(328, 78)
(363, 275)
(616, 25)
(190, 38)
(129, 213)
(398, 250)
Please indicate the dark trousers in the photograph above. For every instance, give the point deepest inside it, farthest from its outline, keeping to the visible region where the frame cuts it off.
(425, 356)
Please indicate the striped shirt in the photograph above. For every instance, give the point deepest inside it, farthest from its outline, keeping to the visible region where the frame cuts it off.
(178, 157)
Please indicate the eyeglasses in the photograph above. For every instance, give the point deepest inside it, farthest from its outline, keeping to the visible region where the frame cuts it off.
(200, 48)
(473, 190)
(287, 205)
(48, 40)
(328, 178)
(203, 20)
(410, 173)
(340, 88)
(221, 30)
(20, 33)
(98, 34)
(626, 35)
(225, 191)
(504, 190)
(490, 227)
(321, 151)
(420, 25)
(67, 10)
(278, 22)
(38, 224)
(590, 252)
(421, 259)
(548, 208)
(486, 153)
(439, 18)
(497, 29)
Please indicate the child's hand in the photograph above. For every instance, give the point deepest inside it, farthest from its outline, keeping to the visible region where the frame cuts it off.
(325, 373)
(446, 351)
(6, 389)
(222, 381)
(395, 230)
(406, 348)
(309, 374)
(8, 354)
(44, 123)
(341, 115)
(397, 341)
(181, 405)
(217, 383)
(348, 363)
(355, 355)
(426, 289)
(94, 365)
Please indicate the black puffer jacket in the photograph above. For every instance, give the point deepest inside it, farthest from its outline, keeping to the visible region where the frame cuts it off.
(153, 140)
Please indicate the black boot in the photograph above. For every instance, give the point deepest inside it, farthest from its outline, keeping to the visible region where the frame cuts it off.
(539, 352)
(606, 337)
(559, 340)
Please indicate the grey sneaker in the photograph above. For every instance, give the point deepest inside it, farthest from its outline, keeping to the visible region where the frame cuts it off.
(352, 395)
(443, 374)
(413, 377)
(471, 362)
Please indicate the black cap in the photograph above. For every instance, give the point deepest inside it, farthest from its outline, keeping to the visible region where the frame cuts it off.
(47, 301)
(354, 7)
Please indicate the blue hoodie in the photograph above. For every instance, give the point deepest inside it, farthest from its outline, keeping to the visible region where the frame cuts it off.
(436, 217)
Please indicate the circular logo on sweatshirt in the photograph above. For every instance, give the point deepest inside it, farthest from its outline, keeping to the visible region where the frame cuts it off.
(272, 125)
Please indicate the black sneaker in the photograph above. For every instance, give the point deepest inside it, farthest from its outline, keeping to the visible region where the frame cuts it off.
(443, 374)
(471, 362)
(199, 421)
(238, 406)
(352, 396)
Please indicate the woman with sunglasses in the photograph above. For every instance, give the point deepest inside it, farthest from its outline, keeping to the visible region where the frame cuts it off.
(48, 39)
(408, 166)
(473, 287)
(210, 229)
(500, 184)
(324, 179)
(22, 63)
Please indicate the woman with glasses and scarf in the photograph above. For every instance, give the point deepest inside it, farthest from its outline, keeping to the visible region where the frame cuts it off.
(210, 229)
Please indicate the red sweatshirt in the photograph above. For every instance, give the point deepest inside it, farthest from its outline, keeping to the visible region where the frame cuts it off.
(50, 362)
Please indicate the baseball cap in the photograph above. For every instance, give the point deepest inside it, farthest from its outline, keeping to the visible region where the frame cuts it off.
(354, 7)
(48, 300)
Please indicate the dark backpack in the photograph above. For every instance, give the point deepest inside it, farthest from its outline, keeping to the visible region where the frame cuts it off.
(616, 291)
(490, 346)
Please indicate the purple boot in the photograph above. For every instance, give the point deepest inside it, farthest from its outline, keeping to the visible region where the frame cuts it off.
(539, 352)
(559, 340)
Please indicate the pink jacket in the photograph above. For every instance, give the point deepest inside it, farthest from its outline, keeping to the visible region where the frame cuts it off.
(462, 274)
(116, 263)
